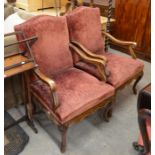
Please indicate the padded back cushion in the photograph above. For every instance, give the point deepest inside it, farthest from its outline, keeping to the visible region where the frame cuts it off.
(51, 50)
(85, 27)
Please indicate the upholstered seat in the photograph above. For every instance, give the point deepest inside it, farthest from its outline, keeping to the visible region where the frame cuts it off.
(77, 92)
(85, 28)
(121, 68)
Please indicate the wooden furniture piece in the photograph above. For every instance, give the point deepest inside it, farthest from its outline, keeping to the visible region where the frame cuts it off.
(11, 1)
(65, 93)
(143, 146)
(15, 63)
(108, 23)
(87, 36)
(133, 22)
(34, 5)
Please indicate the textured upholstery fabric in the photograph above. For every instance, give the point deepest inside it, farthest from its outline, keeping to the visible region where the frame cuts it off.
(77, 92)
(85, 26)
(121, 68)
(51, 50)
(89, 68)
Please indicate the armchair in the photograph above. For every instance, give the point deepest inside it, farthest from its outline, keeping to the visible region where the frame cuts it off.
(85, 33)
(65, 93)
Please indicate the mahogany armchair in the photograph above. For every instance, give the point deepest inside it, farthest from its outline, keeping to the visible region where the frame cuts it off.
(85, 33)
(65, 93)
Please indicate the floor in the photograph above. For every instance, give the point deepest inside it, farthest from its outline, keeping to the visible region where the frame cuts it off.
(93, 135)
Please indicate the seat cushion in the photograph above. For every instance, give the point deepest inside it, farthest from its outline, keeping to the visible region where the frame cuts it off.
(85, 26)
(51, 49)
(121, 68)
(77, 92)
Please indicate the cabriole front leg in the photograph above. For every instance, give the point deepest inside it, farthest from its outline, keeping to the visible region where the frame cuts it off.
(63, 129)
(108, 112)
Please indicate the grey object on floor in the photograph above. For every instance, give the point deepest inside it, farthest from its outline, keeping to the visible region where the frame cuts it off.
(93, 136)
(15, 137)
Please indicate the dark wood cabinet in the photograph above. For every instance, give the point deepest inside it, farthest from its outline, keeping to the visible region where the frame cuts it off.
(133, 23)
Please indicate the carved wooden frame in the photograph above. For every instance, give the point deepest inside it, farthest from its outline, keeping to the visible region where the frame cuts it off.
(131, 45)
(90, 58)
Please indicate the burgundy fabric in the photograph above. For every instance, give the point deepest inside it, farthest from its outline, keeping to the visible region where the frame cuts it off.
(43, 91)
(121, 68)
(87, 67)
(51, 50)
(77, 92)
(85, 26)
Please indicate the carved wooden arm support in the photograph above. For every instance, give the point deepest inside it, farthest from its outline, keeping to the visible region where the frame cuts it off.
(89, 53)
(100, 64)
(130, 44)
(51, 84)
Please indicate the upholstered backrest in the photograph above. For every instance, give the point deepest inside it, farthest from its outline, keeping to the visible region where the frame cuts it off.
(51, 50)
(85, 26)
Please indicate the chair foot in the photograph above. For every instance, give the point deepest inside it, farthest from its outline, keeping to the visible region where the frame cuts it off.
(63, 130)
(108, 112)
(31, 125)
(136, 82)
(138, 147)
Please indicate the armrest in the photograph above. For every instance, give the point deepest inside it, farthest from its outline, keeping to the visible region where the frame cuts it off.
(130, 44)
(51, 84)
(87, 52)
(100, 64)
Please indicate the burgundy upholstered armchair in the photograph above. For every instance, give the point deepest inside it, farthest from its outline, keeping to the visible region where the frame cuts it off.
(85, 33)
(65, 93)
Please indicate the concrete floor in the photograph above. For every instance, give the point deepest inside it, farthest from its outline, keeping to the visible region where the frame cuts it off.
(91, 136)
